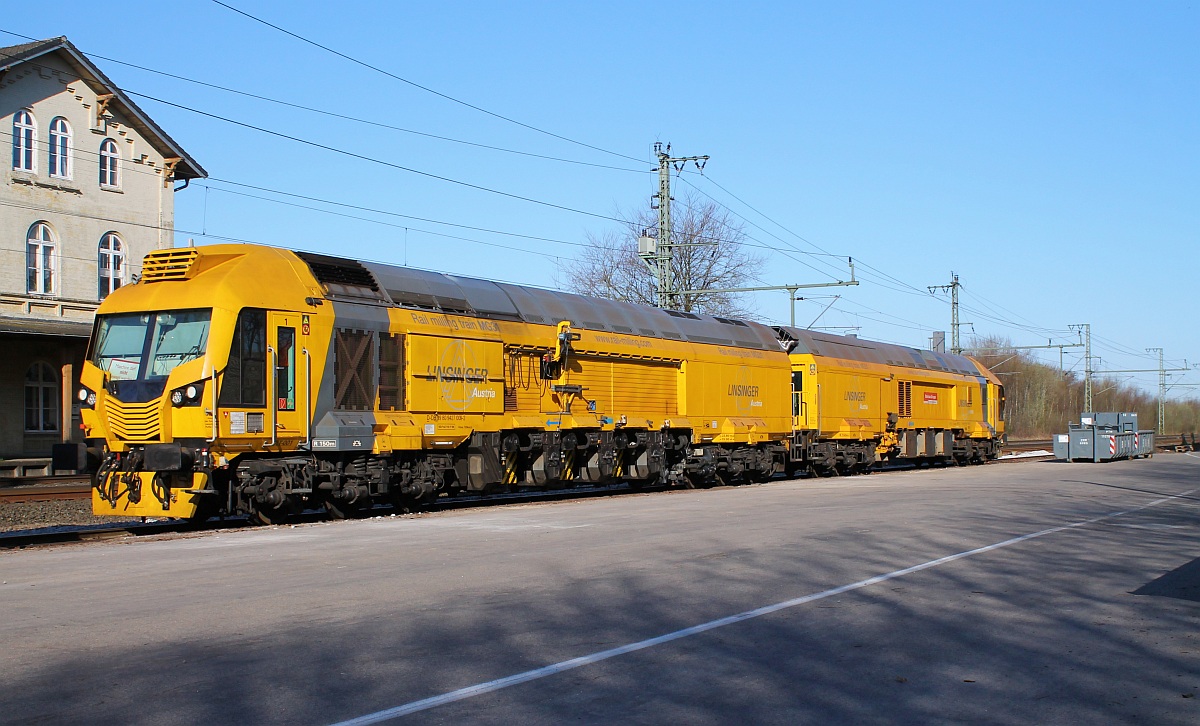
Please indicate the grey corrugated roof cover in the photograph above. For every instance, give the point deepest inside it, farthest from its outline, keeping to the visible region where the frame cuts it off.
(853, 348)
(473, 296)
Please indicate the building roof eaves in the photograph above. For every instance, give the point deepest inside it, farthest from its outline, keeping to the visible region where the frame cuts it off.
(39, 326)
(14, 55)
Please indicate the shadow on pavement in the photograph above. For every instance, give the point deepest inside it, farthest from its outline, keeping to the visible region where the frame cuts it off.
(1182, 583)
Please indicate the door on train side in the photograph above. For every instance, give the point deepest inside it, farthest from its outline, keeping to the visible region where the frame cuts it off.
(288, 391)
(983, 400)
(799, 408)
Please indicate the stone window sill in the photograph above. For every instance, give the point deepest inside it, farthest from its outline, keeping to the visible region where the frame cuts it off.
(58, 187)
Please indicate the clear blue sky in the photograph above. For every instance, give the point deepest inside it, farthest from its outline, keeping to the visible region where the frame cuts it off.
(1046, 152)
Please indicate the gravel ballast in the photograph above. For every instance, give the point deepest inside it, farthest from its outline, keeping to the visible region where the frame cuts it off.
(39, 515)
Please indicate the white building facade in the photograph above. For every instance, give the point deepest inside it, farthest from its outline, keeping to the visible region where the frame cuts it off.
(89, 190)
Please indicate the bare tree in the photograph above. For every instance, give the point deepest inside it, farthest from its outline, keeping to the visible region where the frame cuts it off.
(610, 266)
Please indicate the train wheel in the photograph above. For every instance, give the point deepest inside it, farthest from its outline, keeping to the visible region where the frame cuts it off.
(342, 510)
(278, 515)
(407, 504)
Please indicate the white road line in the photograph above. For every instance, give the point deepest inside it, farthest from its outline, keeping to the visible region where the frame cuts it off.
(566, 665)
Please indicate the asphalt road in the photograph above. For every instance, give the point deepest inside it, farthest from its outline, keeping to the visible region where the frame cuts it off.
(1038, 593)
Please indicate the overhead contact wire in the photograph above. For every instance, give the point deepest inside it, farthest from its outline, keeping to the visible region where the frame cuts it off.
(427, 89)
(363, 157)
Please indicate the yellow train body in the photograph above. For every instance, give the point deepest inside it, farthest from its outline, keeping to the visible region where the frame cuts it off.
(332, 371)
(896, 402)
(247, 379)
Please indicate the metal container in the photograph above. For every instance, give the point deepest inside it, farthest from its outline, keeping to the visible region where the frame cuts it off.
(1104, 436)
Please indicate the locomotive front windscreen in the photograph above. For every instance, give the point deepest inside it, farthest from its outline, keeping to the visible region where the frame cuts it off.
(148, 346)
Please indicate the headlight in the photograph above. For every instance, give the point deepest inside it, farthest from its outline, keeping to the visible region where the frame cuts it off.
(83, 395)
(189, 395)
(86, 397)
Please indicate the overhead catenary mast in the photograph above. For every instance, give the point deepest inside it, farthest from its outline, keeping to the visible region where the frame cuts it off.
(1162, 372)
(657, 253)
(955, 342)
(1086, 330)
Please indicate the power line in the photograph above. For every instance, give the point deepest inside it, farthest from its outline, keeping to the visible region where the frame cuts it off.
(414, 84)
(76, 154)
(905, 287)
(394, 225)
(242, 240)
(756, 226)
(381, 211)
(334, 114)
(373, 160)
(205, 234)
(754, 209)
(126, 167)
(375, 210)
(912, 324)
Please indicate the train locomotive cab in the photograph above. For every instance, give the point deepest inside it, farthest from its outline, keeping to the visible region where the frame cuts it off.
(189, 370)
(146, 377)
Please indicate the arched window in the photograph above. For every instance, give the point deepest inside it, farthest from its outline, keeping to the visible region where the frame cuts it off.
(60, 148)
(40, 260)
(41, 398)
(23, 139)
(111, 263)
(110, 164)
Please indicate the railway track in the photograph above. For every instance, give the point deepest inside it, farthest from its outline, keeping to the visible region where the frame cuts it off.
(42, 489)
(93, 533)
(1020, 446)
(1170, 442)
(74, 487)
(46, 489)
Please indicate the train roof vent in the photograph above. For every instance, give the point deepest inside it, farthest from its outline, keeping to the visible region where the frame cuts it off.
(168, 264)
(342, 277)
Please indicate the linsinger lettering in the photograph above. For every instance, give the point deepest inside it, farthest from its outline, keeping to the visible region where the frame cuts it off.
(457, 373)
(856, 396)
(737, 389)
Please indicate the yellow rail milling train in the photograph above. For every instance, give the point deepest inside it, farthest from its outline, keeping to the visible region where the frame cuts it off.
(248, 379)
(855, 402)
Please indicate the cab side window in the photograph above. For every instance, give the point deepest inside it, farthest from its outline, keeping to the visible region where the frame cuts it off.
(285, 370)
(246, 374)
